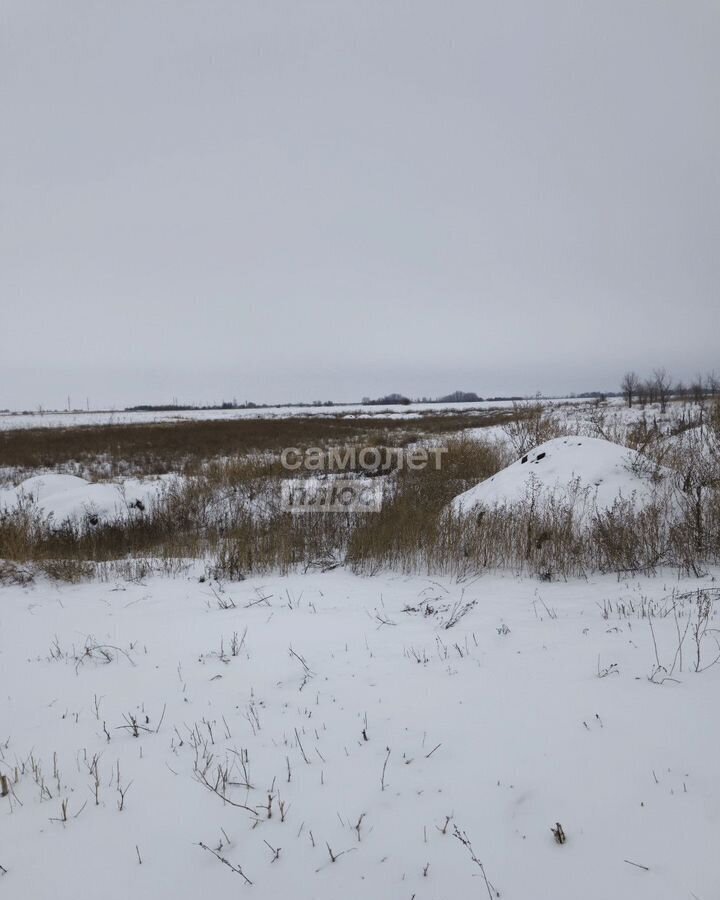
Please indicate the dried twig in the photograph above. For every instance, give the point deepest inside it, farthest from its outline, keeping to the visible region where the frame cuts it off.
(236, 869)
(382, 777)
(465, 841)
(637, 865)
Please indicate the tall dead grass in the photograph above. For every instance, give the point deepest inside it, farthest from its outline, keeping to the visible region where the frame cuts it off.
(109, 451)
(229, 513)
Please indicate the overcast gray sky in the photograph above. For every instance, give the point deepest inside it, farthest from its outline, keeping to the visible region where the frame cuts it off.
(296, 199)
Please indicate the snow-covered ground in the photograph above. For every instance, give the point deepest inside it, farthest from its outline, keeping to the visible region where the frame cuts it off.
(10, 421)
(367, 731)
(63, 497)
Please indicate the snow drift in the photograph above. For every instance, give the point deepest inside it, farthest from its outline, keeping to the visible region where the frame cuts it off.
(64, 497)
(592, 470)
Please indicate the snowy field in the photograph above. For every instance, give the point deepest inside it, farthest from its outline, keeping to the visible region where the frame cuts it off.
(324, 736)
(10, 421)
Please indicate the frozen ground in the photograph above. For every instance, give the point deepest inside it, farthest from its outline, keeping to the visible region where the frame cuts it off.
(368, 732)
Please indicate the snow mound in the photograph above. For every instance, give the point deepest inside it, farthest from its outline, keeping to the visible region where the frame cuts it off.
(63, 497)
(575, 467)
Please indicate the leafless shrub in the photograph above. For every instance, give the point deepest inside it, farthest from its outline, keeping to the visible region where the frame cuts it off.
(460, 609)
(532, 424)
(12, 573)
(697, 609)
(701, 630)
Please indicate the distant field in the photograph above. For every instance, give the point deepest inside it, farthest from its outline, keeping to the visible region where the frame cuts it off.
(12, 421)
(69, 495)
(154, 447)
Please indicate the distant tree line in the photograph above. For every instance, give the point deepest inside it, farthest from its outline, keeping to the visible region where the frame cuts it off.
(660, 388)
(387, 400)
(455, 397)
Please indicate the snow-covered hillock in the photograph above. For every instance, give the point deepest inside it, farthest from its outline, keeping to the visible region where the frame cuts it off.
(596, 471)
(67, 497)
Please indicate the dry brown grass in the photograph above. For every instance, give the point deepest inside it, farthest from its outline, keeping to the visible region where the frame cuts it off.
(227, 510)
(151, 449)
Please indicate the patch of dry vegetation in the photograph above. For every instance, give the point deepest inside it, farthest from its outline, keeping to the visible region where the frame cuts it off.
(108, 451)
(228, 511)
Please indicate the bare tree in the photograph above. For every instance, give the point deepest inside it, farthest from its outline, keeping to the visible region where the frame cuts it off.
(697, 390)
(629, 386)
(661, 383)
(645, 392)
